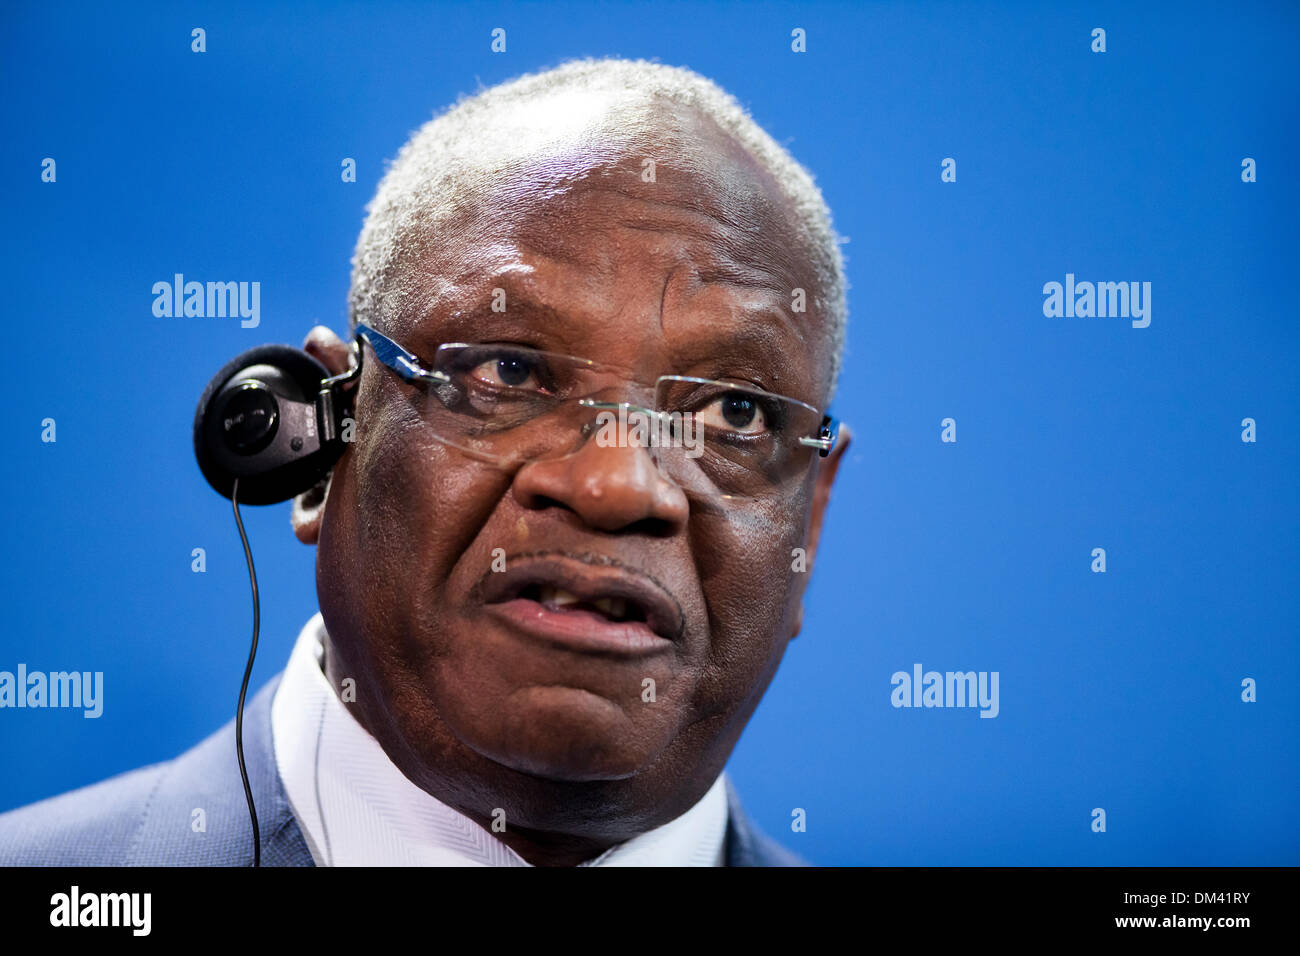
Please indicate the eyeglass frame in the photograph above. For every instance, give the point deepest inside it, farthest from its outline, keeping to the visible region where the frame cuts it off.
(408, 367)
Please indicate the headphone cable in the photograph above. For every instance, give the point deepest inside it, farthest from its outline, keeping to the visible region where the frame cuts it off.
(243, 687)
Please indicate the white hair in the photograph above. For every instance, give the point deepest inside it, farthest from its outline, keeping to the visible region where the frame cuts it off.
(488, 135)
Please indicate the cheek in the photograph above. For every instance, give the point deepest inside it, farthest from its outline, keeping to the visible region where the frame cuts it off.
(402, 509)
(419, 502)
(749, 577)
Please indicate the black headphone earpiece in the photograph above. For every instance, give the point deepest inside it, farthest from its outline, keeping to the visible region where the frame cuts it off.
(272, 418)
(271, 423)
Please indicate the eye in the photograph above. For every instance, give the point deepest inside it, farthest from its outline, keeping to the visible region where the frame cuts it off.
(735, 412)
(511, 369)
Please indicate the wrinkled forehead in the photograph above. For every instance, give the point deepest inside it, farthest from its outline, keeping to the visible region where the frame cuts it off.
(571, 177)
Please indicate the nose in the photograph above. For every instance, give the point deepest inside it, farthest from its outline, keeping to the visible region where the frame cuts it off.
(610, 488)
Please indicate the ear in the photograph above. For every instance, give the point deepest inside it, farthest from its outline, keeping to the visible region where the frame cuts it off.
(821, 498)
(309, 507)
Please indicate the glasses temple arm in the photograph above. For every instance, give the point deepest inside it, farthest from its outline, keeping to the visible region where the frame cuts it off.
(826, 435)
(397, 358)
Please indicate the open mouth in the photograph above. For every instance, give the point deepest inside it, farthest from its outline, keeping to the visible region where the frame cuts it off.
(553, 598)
(584, 605)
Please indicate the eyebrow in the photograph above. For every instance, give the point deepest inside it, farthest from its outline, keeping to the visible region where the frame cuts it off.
(754, 347)
(526, 319)
(752, 344)
(752, 276)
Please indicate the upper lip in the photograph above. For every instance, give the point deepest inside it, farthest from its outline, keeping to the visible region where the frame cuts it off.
(588, 581)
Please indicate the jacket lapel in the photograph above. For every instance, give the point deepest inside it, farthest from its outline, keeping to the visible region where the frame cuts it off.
(198, 815)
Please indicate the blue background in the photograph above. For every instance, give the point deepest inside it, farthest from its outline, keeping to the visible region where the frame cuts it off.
(1118, 690)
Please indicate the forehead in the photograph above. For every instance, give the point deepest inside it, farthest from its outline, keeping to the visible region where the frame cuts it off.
(655, 227)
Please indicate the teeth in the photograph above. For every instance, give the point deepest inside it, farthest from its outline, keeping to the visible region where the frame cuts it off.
(558, 597)
(615, 607)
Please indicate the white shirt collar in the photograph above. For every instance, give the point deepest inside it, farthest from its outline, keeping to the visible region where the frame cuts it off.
(355, 808)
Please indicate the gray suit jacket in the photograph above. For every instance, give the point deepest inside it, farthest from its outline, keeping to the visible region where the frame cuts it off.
(147, 817)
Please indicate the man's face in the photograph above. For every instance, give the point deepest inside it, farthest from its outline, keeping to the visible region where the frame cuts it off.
(479, 684)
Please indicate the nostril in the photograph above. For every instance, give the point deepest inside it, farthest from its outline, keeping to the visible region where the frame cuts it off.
(650, 528)
(543, 502)
(609, 489)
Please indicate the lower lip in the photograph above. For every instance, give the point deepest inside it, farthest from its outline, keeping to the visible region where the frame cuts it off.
(581, 630)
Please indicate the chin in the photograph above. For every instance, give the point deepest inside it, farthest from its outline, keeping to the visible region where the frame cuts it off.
(567, 734)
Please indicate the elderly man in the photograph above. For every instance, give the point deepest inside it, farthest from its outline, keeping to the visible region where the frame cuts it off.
(542, 628)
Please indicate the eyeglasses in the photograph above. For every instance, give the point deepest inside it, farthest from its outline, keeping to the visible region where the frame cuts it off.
(508, 405)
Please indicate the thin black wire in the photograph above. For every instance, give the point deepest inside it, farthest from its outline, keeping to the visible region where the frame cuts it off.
(243, 687)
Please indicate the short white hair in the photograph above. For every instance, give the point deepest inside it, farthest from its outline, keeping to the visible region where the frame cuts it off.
(481, 137)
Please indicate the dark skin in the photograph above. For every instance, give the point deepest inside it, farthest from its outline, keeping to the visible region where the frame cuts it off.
(691, 274)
